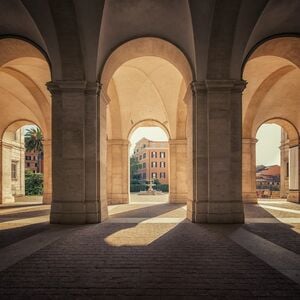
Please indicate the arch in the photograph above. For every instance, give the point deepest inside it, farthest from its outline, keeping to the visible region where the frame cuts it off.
(18, 124)
(22, 47)
(288, 127)
(146, 46)
(24, 70)
(149, 123)
(146, 81)
(276, 45)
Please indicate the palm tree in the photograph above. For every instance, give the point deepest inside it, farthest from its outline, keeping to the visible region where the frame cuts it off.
(34, 143)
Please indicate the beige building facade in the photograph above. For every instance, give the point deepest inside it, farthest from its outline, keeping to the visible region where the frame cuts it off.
(13, 165)
(209, 73)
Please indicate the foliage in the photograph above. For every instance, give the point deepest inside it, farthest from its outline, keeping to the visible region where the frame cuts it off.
(134, 188)
(33, 183)
(134, 166)
(156, 181)
(162, 187)
(34, 140)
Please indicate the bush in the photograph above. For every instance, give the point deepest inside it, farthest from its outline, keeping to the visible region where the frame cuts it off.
(33, 183)
(135, 188)
(162, 187)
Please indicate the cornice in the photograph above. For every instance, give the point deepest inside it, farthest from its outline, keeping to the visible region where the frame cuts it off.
(73, 87)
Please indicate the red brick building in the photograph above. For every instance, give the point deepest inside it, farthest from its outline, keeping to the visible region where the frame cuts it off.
(153, 159)
(33, 162)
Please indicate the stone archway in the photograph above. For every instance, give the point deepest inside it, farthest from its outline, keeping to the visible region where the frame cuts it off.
(146, 81)
(271, 96)
(24, 70)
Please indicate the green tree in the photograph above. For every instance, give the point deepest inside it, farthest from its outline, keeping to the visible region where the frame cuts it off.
(34, 140)
(134, 166)
(34, 143)
(33, 183)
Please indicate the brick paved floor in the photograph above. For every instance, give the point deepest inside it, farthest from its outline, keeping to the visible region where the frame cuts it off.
(145, 260)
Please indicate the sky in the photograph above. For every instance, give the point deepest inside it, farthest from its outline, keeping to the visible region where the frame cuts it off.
(151, 133)
(267, 147)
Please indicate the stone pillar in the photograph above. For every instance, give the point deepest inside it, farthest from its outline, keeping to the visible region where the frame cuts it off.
(117, 171)
(216, 111)
(284, 165)
(22, 172)
(6, 182)
(77, 116)
(47, 192)
(249, 170)
(294, 174)
(178, 171)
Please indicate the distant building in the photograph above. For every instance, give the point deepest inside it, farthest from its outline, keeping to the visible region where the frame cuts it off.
(268, 178)
(33, 162)
(153, 159)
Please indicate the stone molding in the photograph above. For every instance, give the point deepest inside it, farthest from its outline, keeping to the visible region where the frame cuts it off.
(218, 85)
(249, 141)
(118, 142)
(73, 87)
(294, 143)
(178, 142)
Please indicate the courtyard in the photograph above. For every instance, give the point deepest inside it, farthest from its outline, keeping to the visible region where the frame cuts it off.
(148, 249)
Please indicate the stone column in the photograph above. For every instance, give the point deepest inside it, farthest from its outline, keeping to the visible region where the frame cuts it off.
(249, 170)
(294, 173)
(77, 114)
(6, 182)
(21, 170)
(117, 171)
(216, 111)
(178, 171)
(284, 165)
(47, 192)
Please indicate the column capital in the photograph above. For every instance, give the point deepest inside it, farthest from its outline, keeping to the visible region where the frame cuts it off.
(294, 143)
(73, 86)
(118, 142)
(225, 85)
(218, 85)
(249, 140)
(178, 142)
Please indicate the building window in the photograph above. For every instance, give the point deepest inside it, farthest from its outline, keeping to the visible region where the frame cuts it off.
(162, 164)
(154, 175)
(144, 175)
(144, 145)
(14, 170)
(153, 164)
(153, 154)
(36, 164)
(162, 175)
(144, 155)
(162, 154)
(287, 170)
(140, 157)
(144, 165)
(28, 165)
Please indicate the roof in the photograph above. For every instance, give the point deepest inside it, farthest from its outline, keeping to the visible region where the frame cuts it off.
(270, 171)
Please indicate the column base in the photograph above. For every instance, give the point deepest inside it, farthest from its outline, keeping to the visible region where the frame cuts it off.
(215, 212)
(75, 213)
(178, 198)
(7, 200)
(250, 197)
(113, 199)
(47, 198)
(294, 196)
